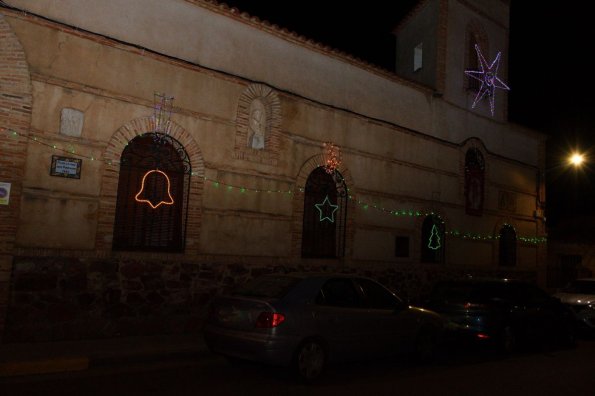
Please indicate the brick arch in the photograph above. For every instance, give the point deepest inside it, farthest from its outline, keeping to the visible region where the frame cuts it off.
(298, 205)
(418, 224)
(110, 177)
(15, 116)
(502, 221)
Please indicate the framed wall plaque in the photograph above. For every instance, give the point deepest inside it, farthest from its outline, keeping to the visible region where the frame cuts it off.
(66, 167)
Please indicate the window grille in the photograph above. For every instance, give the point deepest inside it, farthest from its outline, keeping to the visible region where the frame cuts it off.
(474, 182)
(138, 226)
(321, 237)
(507, 246)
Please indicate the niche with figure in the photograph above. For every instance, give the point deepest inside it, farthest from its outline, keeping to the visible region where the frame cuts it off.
(257, 124)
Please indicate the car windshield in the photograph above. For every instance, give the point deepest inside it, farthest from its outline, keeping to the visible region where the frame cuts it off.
(581, 287)
(267, 287)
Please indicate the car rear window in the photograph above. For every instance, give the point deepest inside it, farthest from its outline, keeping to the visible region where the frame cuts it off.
(267, 287)
(466, 291)
(581, 287)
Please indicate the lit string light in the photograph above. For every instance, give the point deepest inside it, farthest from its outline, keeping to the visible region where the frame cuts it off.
(332, 158)
(488, 76)
(367, 206)
(242, 189)
(69, 150)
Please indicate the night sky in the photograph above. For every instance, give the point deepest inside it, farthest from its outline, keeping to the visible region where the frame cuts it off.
(551, 88)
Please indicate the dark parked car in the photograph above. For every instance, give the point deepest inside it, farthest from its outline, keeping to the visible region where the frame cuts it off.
(507, 313)
(579, 295)
(306, 321)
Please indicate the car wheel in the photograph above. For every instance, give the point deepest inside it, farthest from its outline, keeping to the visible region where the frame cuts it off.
(426, 343)
(310, 360)
(508, 340)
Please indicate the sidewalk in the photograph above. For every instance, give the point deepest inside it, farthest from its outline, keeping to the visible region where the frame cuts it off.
(53, 357)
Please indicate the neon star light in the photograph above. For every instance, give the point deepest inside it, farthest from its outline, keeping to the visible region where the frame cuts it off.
(170, 201)
(322, 209)
(488, 76)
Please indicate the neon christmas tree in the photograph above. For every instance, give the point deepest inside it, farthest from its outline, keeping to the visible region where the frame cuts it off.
(434, 242)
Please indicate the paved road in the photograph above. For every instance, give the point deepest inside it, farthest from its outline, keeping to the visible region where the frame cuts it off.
(543, 373)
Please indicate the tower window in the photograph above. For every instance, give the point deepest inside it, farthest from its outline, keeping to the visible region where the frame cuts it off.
(418, 52)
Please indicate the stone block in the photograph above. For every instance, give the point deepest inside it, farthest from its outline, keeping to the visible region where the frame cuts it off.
(152, 282)
(132, 269)
(104, 267)
(74, 283)
(71, 122)
(35, 282)
(135, 299)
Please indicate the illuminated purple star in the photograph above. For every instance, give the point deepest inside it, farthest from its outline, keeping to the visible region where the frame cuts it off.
(488, 76)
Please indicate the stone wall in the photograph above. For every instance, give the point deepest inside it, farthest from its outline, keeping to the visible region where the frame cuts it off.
(56, 298)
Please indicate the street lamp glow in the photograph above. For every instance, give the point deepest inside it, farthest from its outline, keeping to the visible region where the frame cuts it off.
(577, 159)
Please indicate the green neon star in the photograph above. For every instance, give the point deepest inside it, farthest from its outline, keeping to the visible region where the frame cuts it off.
(324, 203)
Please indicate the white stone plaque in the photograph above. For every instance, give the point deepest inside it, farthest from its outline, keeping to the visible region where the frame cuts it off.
(71, 122)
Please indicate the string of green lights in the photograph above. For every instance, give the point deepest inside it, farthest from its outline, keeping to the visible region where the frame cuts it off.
(242, 190)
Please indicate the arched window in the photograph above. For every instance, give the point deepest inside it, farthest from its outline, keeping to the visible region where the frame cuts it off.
(507, 246)
(153, 188)
(432, 240)
(325, 214)
(474, 182)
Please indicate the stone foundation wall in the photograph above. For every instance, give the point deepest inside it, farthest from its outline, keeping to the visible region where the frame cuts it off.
(58, 298)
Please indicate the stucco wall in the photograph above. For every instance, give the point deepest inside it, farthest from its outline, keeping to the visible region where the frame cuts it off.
(247, 49)
(390, 166)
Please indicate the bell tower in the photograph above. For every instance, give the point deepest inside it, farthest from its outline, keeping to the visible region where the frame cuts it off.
(436, 44)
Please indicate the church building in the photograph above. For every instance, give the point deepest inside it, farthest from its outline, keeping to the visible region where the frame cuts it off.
(156, 153)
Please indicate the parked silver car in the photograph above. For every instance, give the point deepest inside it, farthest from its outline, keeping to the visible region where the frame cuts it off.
(579, 295)
(305, 321)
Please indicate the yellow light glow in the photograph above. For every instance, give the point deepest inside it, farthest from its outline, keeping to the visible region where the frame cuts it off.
(142, 188)
(577, 159)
